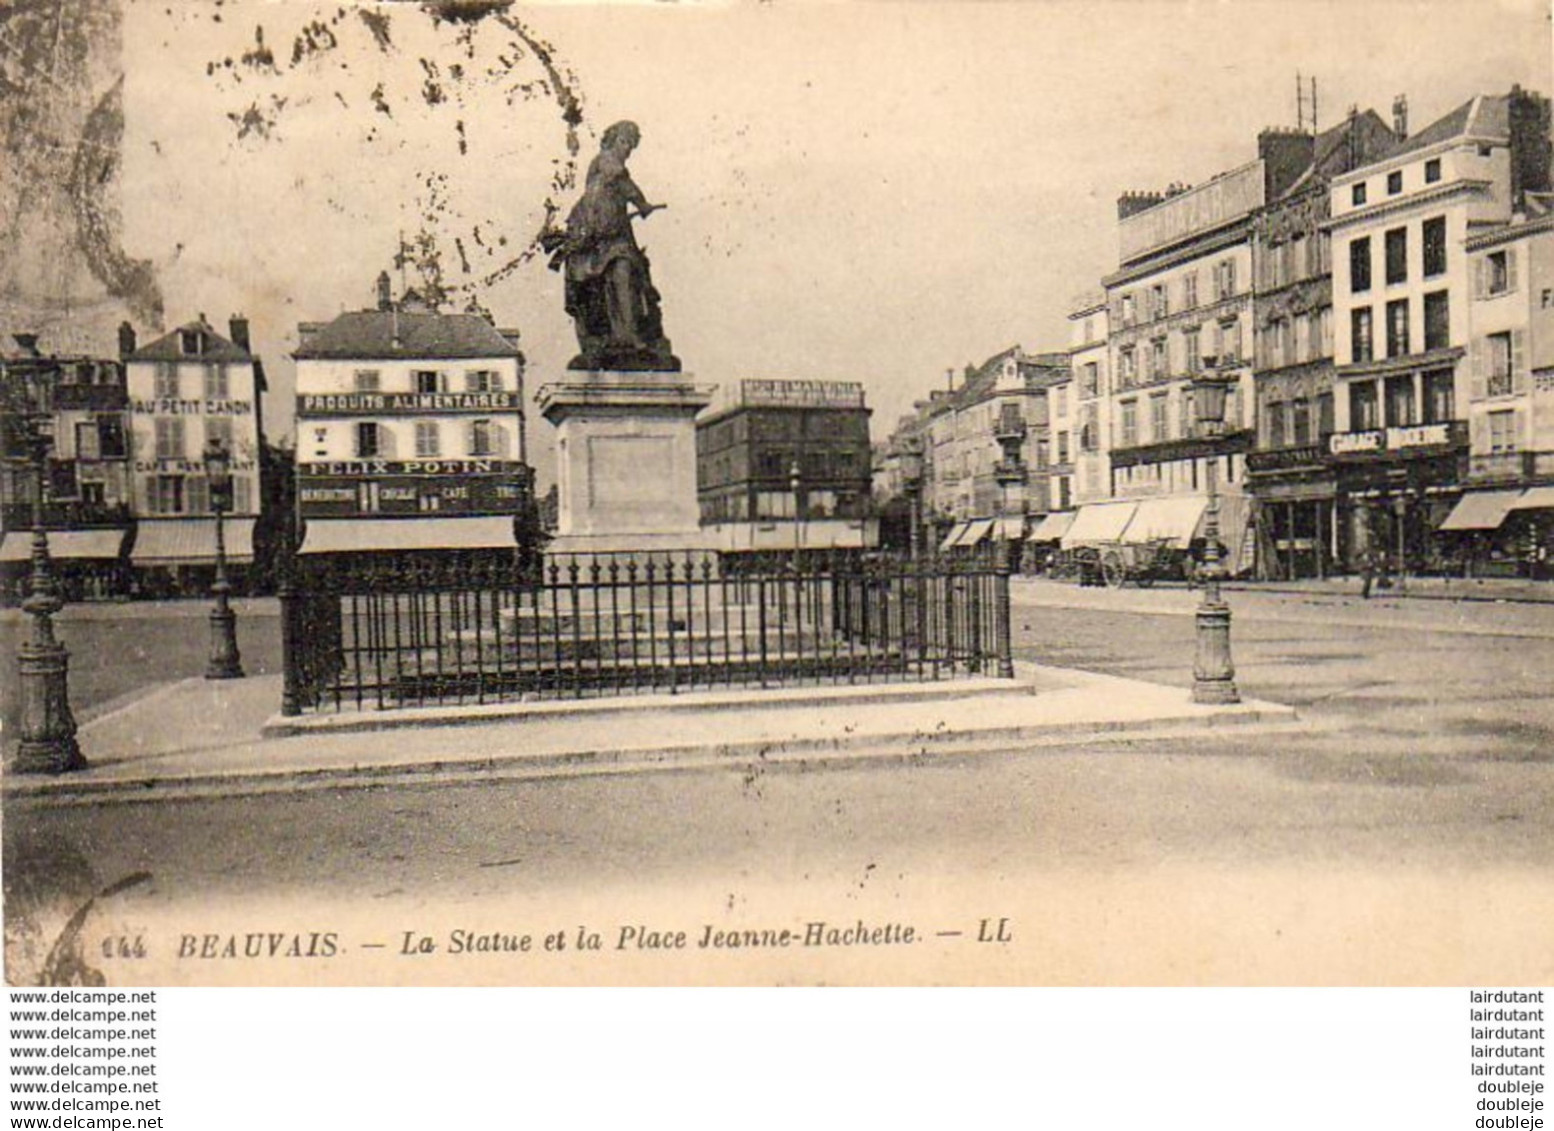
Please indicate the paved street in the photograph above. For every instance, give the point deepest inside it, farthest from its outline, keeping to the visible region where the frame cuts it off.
(1422, 759)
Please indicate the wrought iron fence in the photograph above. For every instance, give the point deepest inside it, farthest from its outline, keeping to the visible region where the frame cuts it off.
(385, 634)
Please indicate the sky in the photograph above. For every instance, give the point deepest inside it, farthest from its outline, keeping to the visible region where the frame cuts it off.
(875, 192)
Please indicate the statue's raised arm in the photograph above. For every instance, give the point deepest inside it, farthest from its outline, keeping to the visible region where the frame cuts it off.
(609, 286)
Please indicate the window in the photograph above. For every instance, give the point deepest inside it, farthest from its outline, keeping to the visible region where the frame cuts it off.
(1497, 271)
(1300, 421)
(1394, 182)
(1158, 307)
(1303, 351)
(1062, 447)
(1357, 194)
(169, 438)
(1397, 255)
(87, 437)
(1400, 401)
(1324, 413)
(166, 494)
(1435, 246)
(219, 428)
(1276, 424)
(1437, 319)
(1325, 332)
(110, 431)
(1439, 398)
(369, 441)
(367, 380)
(1190, 290)
(242, 495)
(1127, 310)
(1194, 350)
(1275, 344)
(1159, 424)
(1060, 401)
(1397, 328)
(1130, 423)
(1158, 362)
(197, 494)
(1230, 341)
(1364, 413)
(1090, 380)
(1300, 256)
(1225, 278)
(1360, 265)
(427, 380)
(481, 439)
(191, 342)
(1499, 365)
(1128, 367)
(218, 384)
(1432, 170)
(1502, 431)
(165, 382)
(482, 381)
(428, 439)
(773, 504)
(1360, 347)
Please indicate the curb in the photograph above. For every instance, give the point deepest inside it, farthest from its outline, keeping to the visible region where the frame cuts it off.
(800, 753)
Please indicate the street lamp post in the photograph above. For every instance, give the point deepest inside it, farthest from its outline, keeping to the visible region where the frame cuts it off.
(225, 662)
(1214, 672)
(48, 729)
(795, 483)
(912, 480)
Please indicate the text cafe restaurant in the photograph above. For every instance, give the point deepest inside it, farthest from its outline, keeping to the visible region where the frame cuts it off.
(1395, 486)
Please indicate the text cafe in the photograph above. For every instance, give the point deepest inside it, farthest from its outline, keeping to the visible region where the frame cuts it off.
(1395, 487)
(361, 488)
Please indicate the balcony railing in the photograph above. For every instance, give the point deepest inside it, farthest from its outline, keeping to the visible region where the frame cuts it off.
(1502, 466)
(69, 515)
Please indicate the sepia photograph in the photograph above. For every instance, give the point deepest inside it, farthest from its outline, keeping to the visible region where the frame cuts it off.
(777, 493)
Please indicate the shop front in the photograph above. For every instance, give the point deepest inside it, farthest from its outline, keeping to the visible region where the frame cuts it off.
(1296, 495)
(1395, 488)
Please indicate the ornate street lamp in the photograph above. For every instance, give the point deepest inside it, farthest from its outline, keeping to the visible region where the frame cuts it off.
(795, 482)
(225, 663)
(48, 729)
(1214, 672)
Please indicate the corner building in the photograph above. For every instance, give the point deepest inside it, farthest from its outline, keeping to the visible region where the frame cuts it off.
(410, 432)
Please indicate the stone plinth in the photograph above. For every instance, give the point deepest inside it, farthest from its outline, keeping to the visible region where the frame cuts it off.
(626, 461)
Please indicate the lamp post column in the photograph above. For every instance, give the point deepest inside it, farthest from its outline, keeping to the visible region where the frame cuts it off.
(225, 662)
(48, 729)
(1214, 672)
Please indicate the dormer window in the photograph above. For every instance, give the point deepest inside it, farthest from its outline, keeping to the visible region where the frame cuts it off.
(1432, 170)
(1357, 194)
(191, 342)
(1395, 182)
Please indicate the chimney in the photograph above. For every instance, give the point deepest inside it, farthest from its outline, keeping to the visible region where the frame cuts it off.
(1531, 153)
(1285, 155)
(239, 327)
(385, 293)
(28, 344)
(1132, 203)
(126, 340)
(1400, 117)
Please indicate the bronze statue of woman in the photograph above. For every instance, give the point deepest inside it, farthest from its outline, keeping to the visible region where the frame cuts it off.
(609, 285)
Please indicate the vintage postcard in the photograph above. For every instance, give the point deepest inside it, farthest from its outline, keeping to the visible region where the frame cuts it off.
(777, 492)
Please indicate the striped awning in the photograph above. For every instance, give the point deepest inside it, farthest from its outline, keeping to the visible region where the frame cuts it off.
(353, 535)
(191, 541)
(1010, 529)
(978, 531)
(1535, 499)
(955, 535)
(1053, 527)
(1169, 518)
(64, 545)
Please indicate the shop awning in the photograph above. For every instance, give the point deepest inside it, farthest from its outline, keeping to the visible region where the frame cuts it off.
(1481, 510)
(1010, 529)
(1535, 499)
(1172, 518)
(191, 541)
(64, 545)
(1053, 527)
(979, 530)
(1099, 522)
(351, 535)
(955, 535)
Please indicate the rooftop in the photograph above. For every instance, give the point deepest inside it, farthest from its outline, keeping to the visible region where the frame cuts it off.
(388, 334)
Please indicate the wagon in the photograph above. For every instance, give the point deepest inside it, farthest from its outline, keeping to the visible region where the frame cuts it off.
(1142, 563)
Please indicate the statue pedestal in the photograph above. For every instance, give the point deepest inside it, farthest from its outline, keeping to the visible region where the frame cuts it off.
(626, 461)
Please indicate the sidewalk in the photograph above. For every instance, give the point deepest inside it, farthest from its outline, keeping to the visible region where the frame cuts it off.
(196, 738)
(1507, 589)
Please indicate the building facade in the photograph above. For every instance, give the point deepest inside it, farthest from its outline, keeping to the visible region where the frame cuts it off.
(88, 505)
(1090, 366)
(410, 432)
(1406, 388)
(186, 389)
(787, 467)
(1289, 472)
